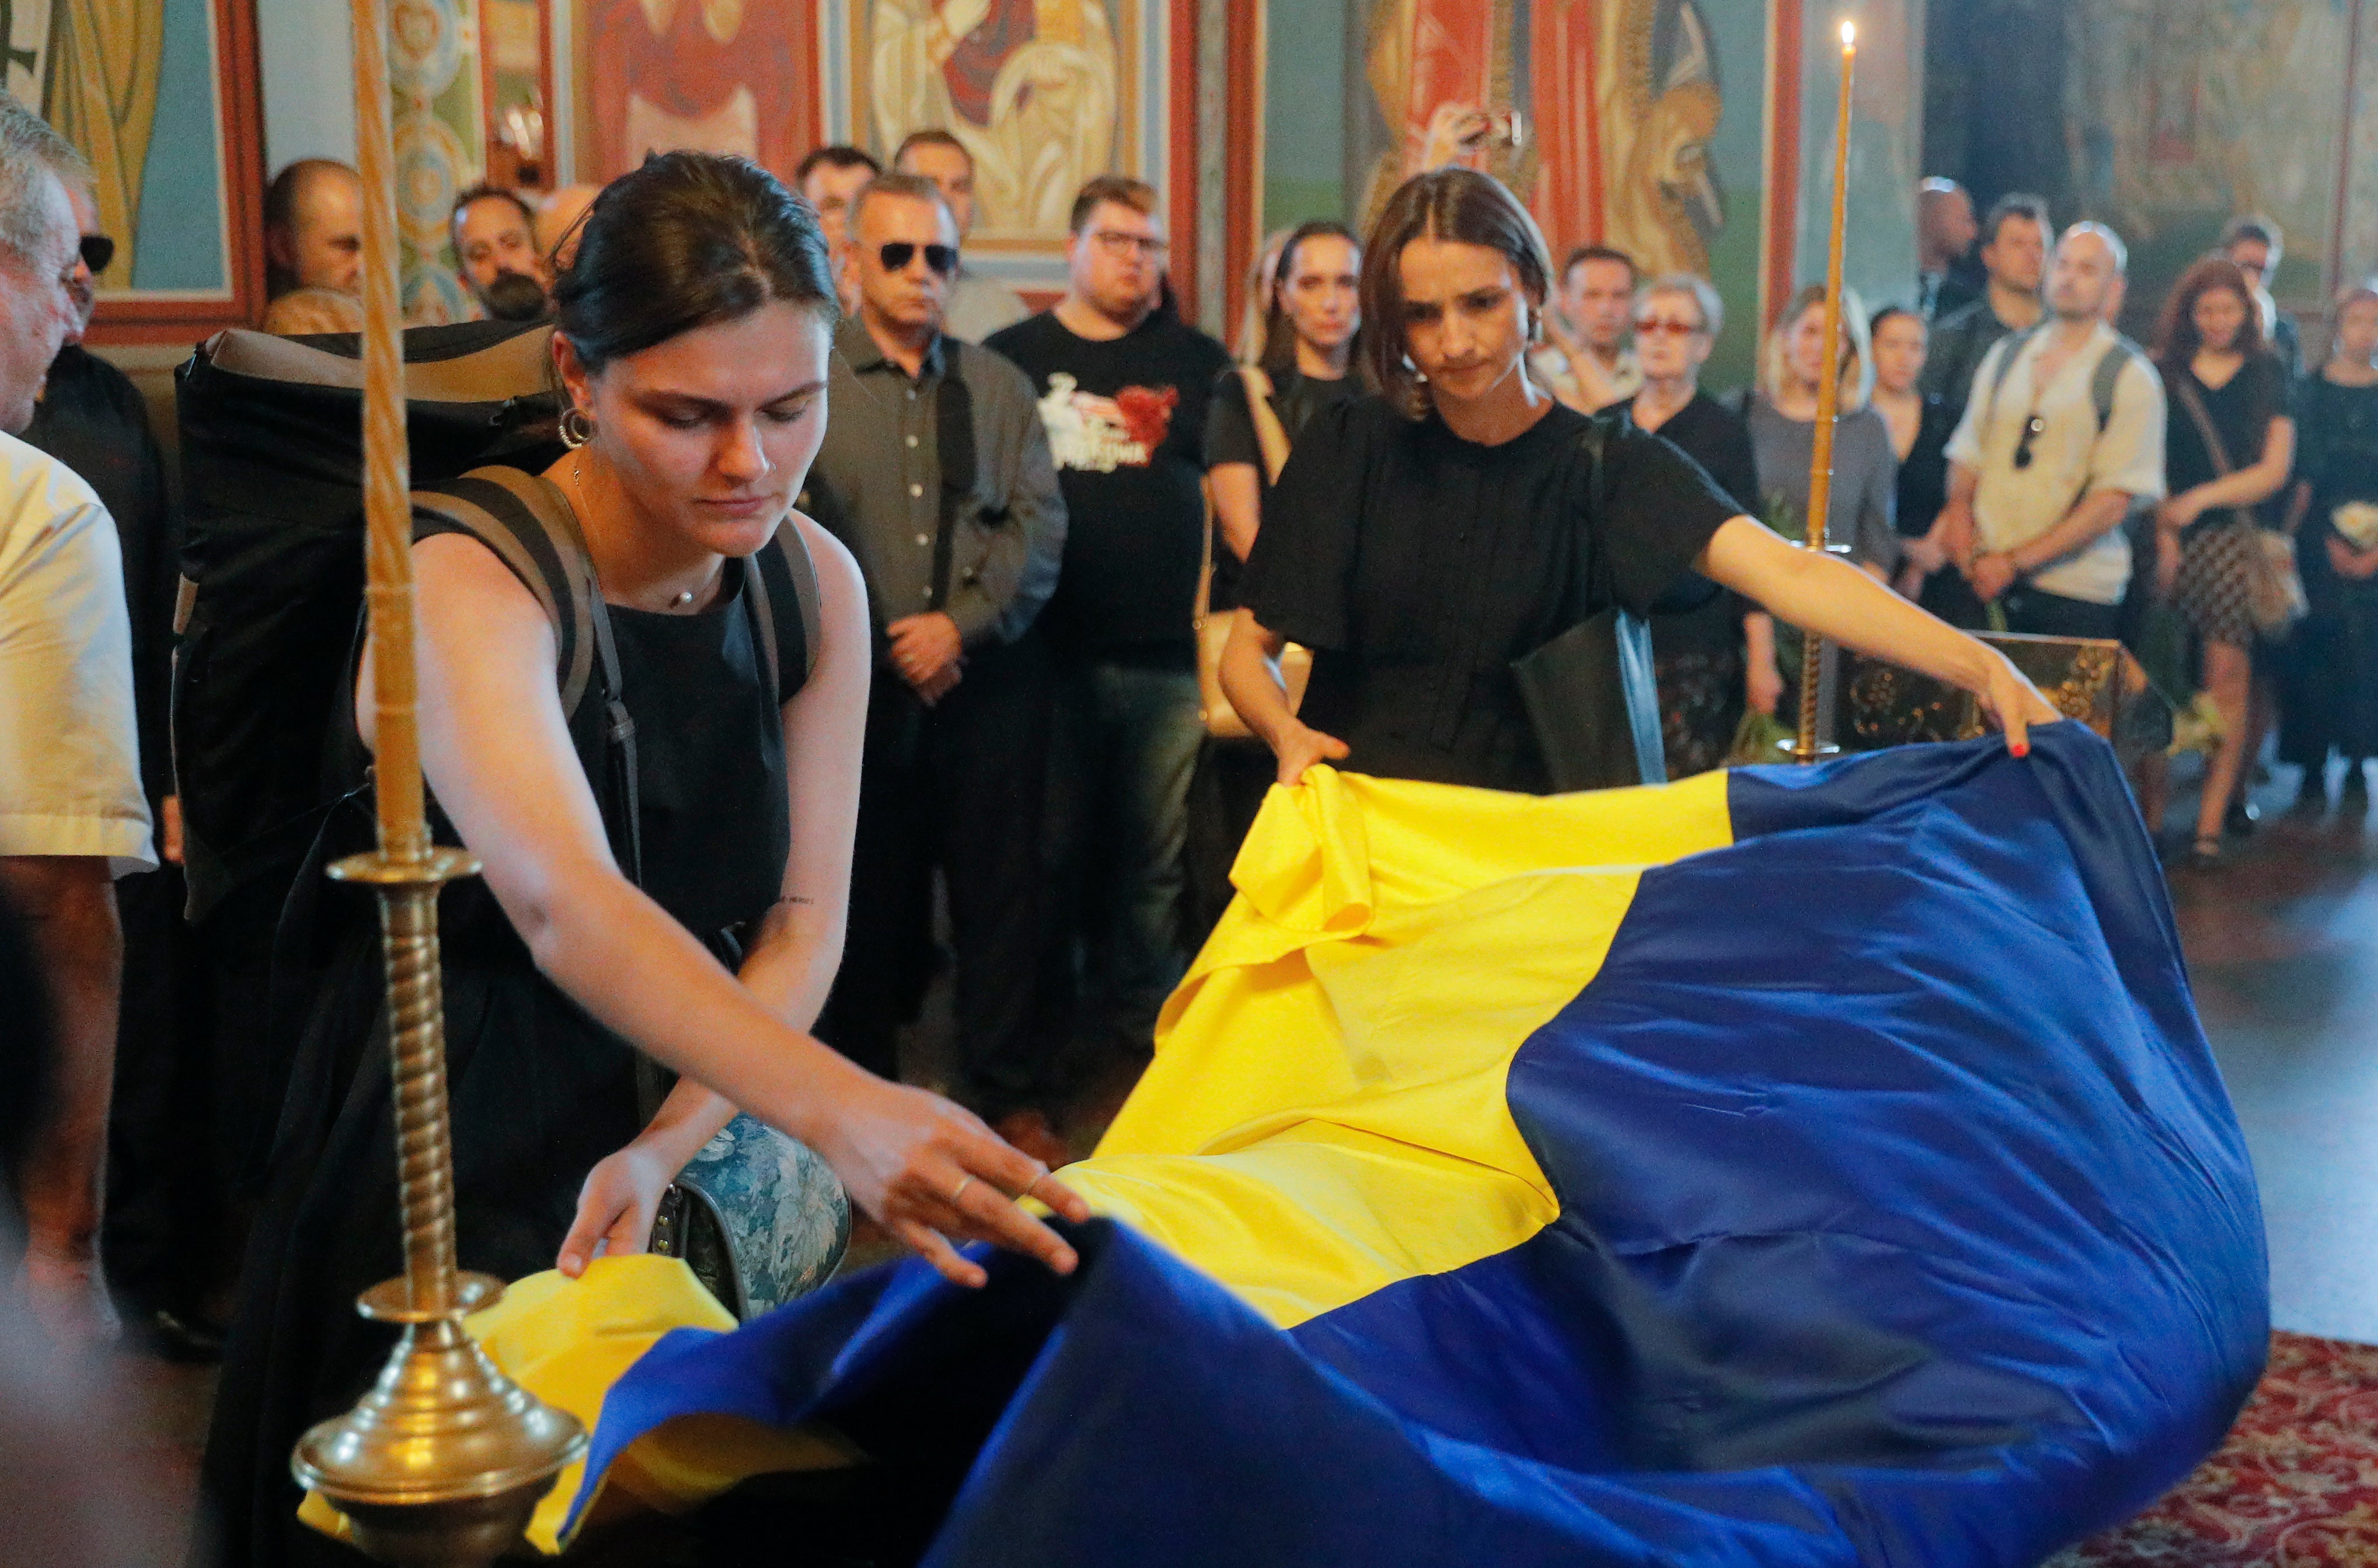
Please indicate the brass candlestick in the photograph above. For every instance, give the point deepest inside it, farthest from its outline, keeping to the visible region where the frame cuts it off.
(442, 1463)
(1805, 747)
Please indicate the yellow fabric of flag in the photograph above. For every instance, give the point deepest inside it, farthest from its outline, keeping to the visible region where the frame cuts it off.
(1325, 1112)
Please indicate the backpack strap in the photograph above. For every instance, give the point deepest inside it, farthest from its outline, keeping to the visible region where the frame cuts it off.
(788, 559)
(2108, 379)
(527, 521)
(2011, 345)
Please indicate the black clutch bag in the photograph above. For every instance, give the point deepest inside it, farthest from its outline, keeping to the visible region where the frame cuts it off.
(1595, 703)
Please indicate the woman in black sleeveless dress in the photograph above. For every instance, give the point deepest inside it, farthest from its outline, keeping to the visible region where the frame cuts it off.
(694, 327)
(1422, 539)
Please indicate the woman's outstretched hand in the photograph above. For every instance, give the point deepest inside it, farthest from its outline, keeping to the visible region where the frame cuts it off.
(2012, 702)
(1304, 746)
(936, 1176)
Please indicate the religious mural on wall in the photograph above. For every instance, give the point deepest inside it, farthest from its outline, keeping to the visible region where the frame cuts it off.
(1044, 93)
(437, 133)
(716, 75)
(133, 84)
(1035, 89)
(1618, 104)
(2182, 113)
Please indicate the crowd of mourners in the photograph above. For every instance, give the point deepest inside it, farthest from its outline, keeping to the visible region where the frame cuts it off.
(1116, 582)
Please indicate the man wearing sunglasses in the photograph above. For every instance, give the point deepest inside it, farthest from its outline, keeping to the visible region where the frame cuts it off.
(2064, 434)
(936, 473)
(163, 1201)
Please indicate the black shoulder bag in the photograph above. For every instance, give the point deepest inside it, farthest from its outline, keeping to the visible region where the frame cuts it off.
(1591, 695)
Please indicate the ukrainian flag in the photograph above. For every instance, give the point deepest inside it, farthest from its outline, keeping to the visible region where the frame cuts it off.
(1783, 1166)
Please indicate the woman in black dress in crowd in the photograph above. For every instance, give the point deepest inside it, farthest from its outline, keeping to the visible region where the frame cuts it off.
(2329, 699)
(1920, 428)
(695, 323)
(1309, 362)
(1698, 651)
(1424, 538)
(2220, 378)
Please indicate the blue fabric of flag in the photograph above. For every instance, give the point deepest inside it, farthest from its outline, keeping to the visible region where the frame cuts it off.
(1902, 1219)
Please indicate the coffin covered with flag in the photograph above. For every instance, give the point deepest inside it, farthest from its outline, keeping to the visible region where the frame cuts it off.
(1815, 1167)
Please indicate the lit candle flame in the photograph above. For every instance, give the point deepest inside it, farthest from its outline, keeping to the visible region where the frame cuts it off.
(1849, 35)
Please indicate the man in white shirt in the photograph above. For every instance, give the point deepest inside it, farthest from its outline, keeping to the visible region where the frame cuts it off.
(1596, 367)
(2057, 445)
(979, 303)
(72, 815)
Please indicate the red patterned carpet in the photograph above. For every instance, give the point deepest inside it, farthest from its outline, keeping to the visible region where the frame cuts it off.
(2295, 1487)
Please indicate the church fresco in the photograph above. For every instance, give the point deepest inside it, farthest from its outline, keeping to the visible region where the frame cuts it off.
(2181, 116)
(715, 76)
(132, 84)
(1044, 93)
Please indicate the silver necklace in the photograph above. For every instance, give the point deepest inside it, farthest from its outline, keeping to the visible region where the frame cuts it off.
(578, 483)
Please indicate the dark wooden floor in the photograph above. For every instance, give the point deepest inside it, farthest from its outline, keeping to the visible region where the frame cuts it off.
(2283, 950)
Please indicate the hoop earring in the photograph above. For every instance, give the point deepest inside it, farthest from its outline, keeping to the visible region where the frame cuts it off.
(577, 428)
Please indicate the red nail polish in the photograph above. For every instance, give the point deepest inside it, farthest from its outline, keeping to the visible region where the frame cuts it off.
(2023, 748)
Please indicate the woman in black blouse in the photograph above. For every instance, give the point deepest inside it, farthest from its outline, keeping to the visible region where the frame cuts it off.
(2224, 388)
(1307, 363)
(1920, 427)
(1697, 647)
(1423, 539)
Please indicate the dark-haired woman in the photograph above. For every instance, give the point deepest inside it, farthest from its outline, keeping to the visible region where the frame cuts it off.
(695, 322)
(1423, 539)
(1306, 366)
(2228, 446)
(1920, 428)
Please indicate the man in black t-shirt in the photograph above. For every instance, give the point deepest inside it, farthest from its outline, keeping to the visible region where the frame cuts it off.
(1123, 385)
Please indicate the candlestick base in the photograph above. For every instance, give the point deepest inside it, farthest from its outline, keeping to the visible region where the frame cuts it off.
(1816, 752)
(442, 1463)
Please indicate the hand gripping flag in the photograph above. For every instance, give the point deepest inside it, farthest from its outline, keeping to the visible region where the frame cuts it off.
(1786, 1166)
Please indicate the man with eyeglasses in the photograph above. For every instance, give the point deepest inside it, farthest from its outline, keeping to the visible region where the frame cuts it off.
(1123, 384)
(2057, 444)
(936, 473)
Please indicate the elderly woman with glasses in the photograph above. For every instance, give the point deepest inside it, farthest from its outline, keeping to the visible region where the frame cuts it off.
(1699, 652)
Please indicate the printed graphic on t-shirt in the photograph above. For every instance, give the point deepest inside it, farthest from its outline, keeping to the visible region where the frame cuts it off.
(1101, 435)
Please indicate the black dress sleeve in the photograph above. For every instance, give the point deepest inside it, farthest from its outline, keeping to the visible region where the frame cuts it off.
(1230, 427)
(1735, 463)
(2279, 392)
(1660, 509)
(1301, 574)
(2312, 431)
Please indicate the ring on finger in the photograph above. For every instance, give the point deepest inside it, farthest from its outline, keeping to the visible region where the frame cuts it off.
(959, 1190)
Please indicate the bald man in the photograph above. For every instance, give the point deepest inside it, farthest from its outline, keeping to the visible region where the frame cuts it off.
(313, 228)
(2038, 482)
(1945, 233)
